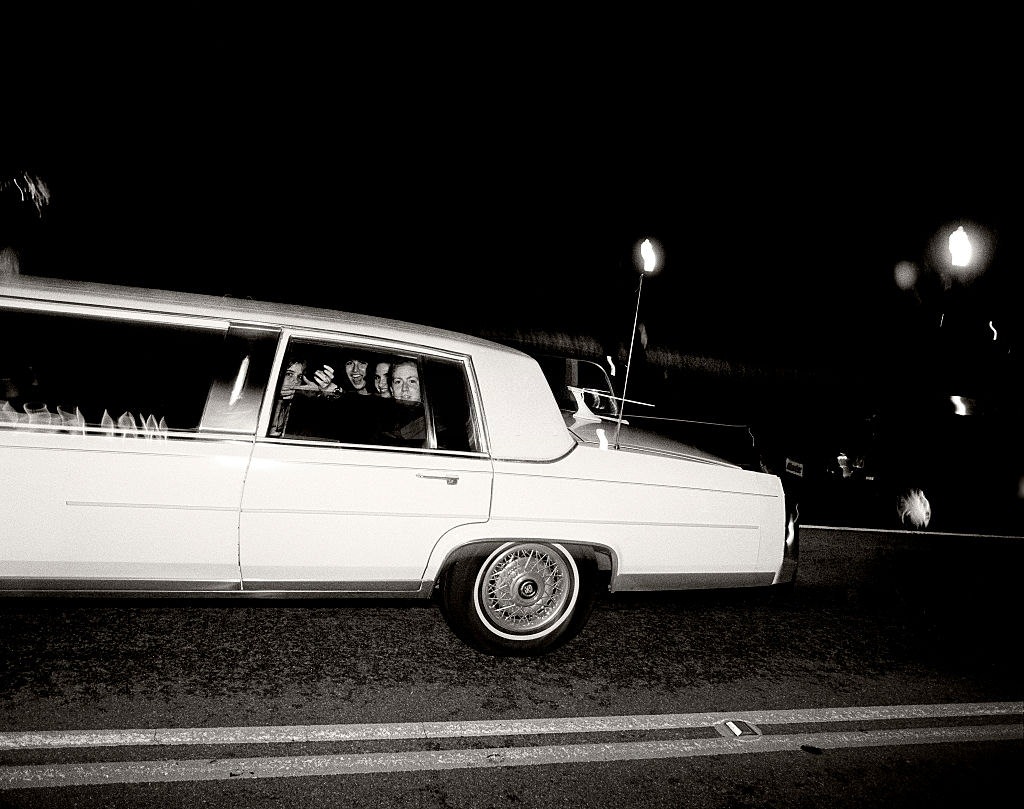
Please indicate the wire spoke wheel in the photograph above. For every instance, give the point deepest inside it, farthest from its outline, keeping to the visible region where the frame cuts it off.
(526, 589)
(518, 598)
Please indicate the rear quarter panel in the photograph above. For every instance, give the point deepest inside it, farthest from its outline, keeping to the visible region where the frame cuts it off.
(668, 523)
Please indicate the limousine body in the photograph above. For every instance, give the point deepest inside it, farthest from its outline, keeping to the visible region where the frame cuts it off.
(167, 443)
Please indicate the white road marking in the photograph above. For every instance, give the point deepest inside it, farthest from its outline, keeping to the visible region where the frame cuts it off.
(66, 775)
(22, 740)
(43, 775)
(916, 532)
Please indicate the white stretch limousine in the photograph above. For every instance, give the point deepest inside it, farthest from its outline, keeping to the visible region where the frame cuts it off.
(156, 442)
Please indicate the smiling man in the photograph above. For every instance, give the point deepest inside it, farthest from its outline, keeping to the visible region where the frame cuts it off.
(405, 382)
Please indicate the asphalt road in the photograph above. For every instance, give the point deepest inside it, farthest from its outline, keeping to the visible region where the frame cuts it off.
(378, 704)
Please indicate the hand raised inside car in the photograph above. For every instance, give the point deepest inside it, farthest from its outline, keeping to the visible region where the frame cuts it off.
(323, 379)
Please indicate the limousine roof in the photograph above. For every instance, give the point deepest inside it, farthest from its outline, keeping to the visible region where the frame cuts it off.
(220, 308)
(523, 418)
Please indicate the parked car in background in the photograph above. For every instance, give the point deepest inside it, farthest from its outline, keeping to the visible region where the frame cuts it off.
(909, 458)
(916, 465)
(164, 443)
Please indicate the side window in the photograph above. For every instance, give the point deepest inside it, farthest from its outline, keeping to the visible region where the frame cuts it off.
(315, 397)
(355, 394)
(451, 411)
(240, 379)
(80, 374)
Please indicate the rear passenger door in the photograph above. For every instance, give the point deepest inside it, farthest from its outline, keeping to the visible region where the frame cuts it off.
(354, 490)
(124, 440)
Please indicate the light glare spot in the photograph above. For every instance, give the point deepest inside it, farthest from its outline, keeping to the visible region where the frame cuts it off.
(960, 247)
(905, 275)
(649, 256)
(236, 391)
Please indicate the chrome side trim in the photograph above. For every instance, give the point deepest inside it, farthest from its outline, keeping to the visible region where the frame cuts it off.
(45, 586)
(136, 588)
(118, 443)
(688, 581)
(474, 517)
(702, 525)
(556, 459)
(177, 506)
(424, 591)
(351, 588)
(325, 444)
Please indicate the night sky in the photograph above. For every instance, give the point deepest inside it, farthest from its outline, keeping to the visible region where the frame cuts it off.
(764, 259)
(517, 205)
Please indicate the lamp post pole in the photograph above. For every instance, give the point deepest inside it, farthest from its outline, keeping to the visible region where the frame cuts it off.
(960, 253)
(650, 265)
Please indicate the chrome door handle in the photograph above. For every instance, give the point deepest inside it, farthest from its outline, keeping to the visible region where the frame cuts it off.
(450, 479)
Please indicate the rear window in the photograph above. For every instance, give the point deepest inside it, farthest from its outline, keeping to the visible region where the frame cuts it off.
(76, 373)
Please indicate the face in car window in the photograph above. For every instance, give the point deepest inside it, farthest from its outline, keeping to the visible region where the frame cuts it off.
(380, 379)
(405, 381)
(294, 377)
(355, 370)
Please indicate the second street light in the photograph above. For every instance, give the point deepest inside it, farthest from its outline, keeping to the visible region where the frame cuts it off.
(648, 265)
(960, 249)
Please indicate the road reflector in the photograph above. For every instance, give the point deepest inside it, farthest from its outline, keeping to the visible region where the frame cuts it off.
(734, 728)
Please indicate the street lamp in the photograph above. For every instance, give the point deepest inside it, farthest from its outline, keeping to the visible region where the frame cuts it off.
(648, 266)
(960, 253)
(960, 249)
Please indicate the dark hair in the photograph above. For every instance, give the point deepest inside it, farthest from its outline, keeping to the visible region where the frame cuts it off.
(356, 355)
(372, 371)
